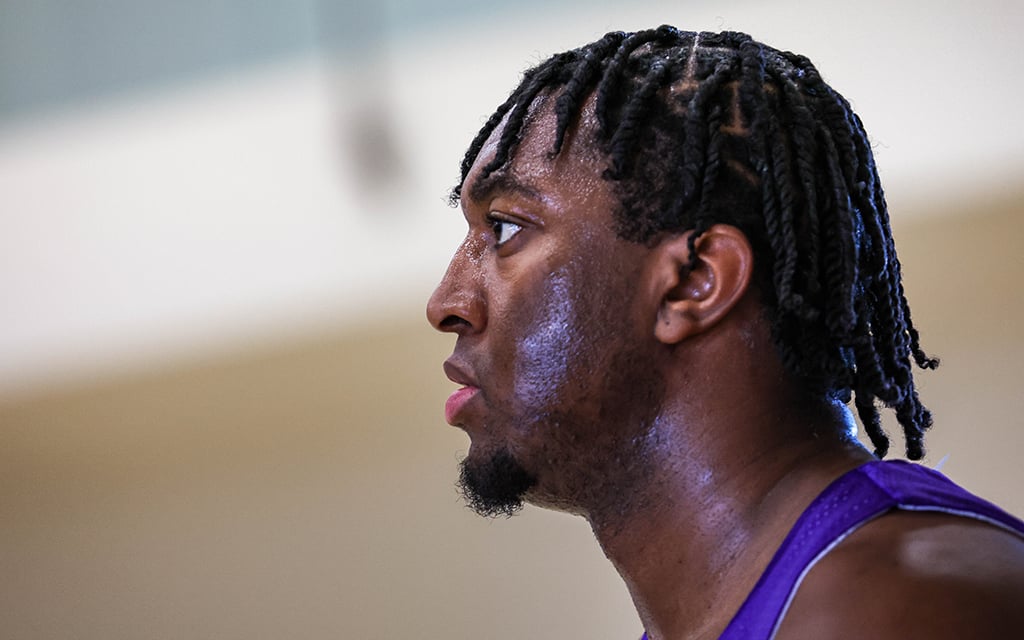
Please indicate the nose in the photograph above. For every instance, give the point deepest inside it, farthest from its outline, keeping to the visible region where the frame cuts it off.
(458, 304)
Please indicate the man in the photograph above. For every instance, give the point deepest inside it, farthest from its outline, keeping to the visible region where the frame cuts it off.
(678, 273)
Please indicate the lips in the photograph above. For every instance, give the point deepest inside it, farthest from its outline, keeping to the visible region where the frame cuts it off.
(456, 401)
(461, 396)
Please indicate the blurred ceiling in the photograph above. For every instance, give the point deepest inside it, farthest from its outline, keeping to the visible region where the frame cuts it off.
(54, 52)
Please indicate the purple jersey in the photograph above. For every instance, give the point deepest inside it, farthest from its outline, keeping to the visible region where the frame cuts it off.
(850, 502)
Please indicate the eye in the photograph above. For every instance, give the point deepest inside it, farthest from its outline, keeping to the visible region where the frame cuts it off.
(504, 230)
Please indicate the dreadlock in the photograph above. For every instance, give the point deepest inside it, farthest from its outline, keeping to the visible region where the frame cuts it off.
(702, 128)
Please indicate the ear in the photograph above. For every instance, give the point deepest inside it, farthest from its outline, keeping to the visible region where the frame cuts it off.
(694, 299)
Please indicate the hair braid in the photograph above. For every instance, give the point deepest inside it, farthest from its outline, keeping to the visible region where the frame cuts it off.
(517, 115)
(710, 137)
(613, 71)
(568, 103)
(622, 141)
(805, 154)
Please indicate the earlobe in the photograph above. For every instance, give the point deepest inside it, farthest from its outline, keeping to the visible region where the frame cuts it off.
(694, 299)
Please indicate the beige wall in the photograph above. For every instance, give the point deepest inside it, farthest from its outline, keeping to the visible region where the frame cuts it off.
(963, 273)
(305, 490)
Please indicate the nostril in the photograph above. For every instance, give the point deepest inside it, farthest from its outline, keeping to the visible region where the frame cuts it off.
(452, 323)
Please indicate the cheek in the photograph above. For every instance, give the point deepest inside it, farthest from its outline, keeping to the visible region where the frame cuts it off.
(550, 343)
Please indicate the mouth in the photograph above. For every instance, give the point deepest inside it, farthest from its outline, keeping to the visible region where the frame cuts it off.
(456, 402)
(468, 389)
(453, 407)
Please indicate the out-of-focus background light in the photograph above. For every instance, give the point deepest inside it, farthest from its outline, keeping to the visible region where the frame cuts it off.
(219, 401)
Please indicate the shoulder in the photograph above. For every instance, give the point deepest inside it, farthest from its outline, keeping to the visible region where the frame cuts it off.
(914, 575)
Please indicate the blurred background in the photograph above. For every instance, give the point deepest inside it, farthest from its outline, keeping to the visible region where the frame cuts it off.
(220, 403)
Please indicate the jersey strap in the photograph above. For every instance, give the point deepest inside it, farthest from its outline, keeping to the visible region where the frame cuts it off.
(850, 502)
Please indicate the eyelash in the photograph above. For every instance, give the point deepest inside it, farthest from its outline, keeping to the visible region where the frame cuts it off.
(497, 223)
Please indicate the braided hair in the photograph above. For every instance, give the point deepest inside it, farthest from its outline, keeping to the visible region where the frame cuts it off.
(705, 128)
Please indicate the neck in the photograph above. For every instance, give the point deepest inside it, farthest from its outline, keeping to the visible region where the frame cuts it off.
(713, 504)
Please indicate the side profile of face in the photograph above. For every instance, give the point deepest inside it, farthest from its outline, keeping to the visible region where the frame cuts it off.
(553, 351)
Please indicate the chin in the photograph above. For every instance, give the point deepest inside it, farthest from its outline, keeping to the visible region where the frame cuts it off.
(494, 483)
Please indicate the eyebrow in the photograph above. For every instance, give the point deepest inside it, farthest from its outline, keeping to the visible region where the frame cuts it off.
(501, 181)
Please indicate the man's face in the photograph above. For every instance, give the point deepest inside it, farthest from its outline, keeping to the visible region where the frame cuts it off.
(553, 353)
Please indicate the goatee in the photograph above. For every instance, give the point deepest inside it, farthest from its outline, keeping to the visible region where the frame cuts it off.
(495, 486)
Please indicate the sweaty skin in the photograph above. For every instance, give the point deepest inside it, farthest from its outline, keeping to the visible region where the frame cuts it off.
(542, 323)
(648, 397)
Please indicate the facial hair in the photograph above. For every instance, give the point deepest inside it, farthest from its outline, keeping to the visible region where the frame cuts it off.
(495, 486)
